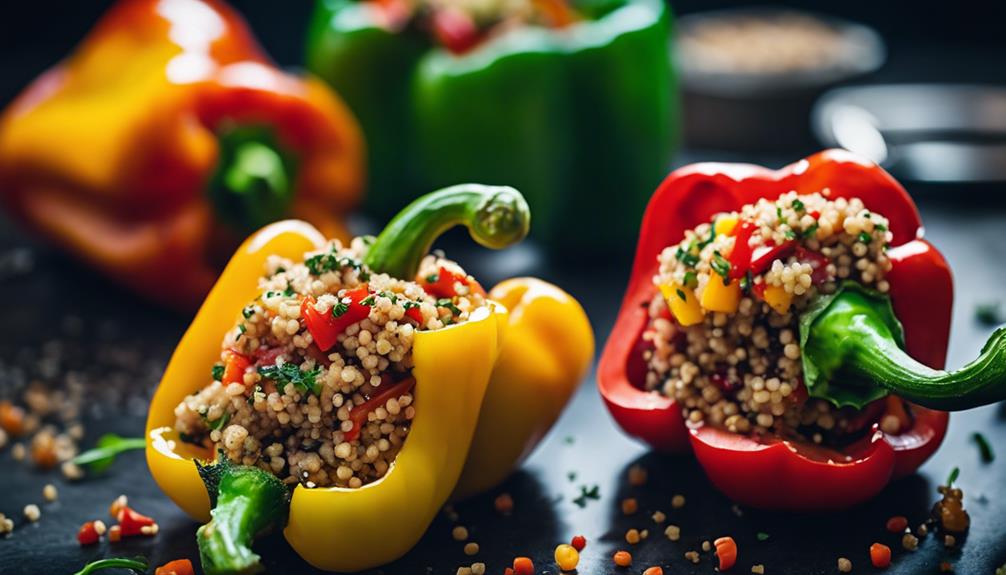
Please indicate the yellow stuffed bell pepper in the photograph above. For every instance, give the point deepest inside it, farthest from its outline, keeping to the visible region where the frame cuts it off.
(547, 350)
(336, 527)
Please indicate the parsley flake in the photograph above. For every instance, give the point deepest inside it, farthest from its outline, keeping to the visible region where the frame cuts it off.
(217, 371)
(291, 373)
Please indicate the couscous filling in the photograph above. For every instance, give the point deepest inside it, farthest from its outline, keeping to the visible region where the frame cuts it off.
(723, 335)
(336, 417)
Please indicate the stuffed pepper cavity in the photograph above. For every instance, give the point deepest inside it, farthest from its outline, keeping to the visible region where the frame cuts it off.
(168, 136)
(324, 387)
(790, 327)
(539, 84)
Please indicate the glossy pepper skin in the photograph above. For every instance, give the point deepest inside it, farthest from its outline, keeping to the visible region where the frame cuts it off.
(546, 352)
(774, 473)
(570, 117)
(128, 153)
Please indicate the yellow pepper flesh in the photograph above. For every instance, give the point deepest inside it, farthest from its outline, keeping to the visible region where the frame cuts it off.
(720, 297)
(548, 348)
(686, 311)
(778, 298)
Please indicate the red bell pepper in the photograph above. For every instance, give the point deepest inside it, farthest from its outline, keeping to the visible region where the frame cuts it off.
(443, 284)
(772, 472)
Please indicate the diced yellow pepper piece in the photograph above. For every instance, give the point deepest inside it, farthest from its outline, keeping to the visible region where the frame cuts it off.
(725, 225)
(778, 298)
(719, 297)
(687, 311)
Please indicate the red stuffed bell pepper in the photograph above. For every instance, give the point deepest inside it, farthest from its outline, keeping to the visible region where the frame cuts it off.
(790, 327)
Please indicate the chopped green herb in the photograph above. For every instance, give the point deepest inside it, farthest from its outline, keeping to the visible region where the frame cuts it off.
(432, 278)
(984, 447)
(790, 234)
(762, 536)
(810, 231)
(721, 266)
(291, 373)
(989, 314)
(682, 295)
(288, 292)
(712, 236)
(687, 258)
(954, 474)
(865, 237)
(409, 305)
(691, 279)
(241, 330)
(593, 492)
(369, 300)
(880, 227)
(220, 422)
(247, 312)
(101, 457)
(217, 371)
(138, 565)
(447, 303)
(779, 216)
(747, 282)
(340, 308)
(798, 205)
(321, 263)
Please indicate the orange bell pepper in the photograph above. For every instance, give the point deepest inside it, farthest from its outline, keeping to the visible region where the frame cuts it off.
(166, 138)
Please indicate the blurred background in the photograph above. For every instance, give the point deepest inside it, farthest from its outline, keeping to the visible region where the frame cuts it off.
(920, 42)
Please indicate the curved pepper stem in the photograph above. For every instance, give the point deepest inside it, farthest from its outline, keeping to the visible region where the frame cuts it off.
(253, 183)
(496, 217)
(247, 502)
(853, 353)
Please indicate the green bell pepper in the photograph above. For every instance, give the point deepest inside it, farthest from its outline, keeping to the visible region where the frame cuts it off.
(573, 116)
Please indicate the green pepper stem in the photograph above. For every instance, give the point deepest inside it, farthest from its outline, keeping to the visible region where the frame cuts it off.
(852, 349)
(252, 185)
(248, 502)
(496, 217)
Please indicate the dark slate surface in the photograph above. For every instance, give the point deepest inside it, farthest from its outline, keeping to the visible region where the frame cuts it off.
(61, 321)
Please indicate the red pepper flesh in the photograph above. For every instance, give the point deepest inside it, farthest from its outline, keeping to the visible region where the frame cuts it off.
(358, 415)
(326, 328)
(235, 364)
(921, 291)
(131, 522)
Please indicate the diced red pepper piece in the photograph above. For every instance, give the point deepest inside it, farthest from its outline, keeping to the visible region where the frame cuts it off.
(132, 523)
(176, 567)
(726, 552)
(358, 415)
(818, 262)
(880, 555)
(740, 257)
(444, 286)
(414, 314)
(455, 30)
(326, 328)
(87, 534)
(578, 542)
(235, 364)
(762, 258)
